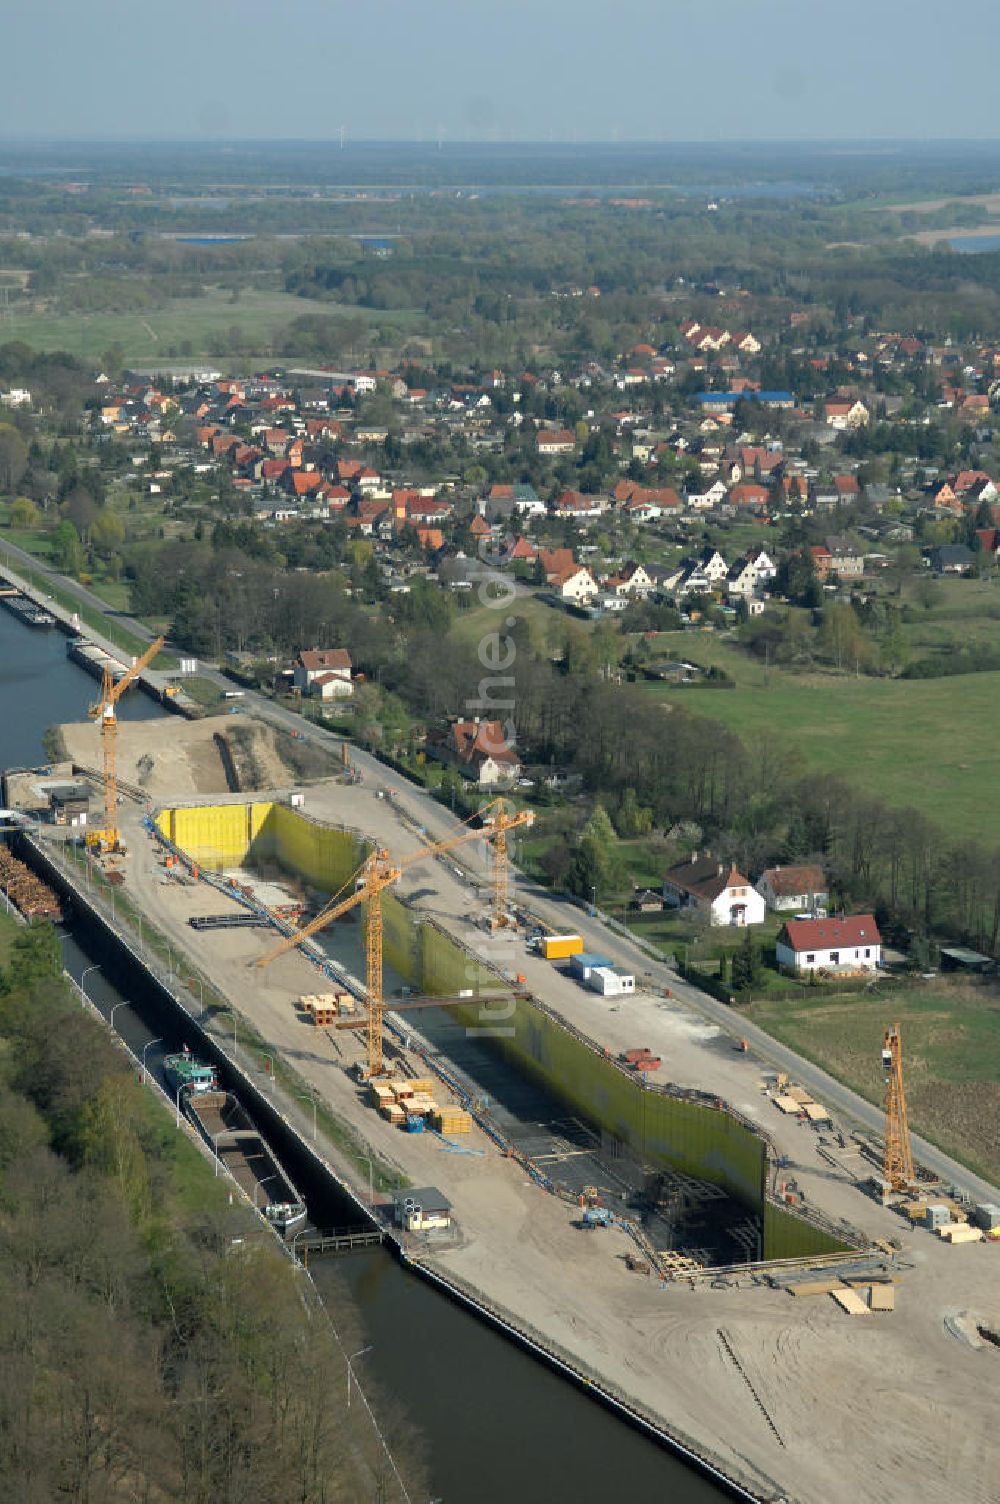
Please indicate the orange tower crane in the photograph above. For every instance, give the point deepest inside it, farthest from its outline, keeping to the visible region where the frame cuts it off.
(898, 1165)
(375, 874)
(109, 839)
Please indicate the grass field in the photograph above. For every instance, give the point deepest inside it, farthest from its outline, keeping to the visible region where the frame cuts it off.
(927, 743)
(951, 1055)
(157, 334)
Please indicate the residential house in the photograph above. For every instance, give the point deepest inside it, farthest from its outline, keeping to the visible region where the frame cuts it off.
(845, 559)
(848, 945)
(555, 441)
(324, 671)
(576, 504)
(479, 749)
(703, 501)
(846, 415)
(796, 889)
(953, 558)
(723, 893)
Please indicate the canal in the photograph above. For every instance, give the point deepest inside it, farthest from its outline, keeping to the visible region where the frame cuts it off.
(493, 1423)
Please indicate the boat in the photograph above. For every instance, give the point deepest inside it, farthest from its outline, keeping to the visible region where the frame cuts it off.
(27, 610)
(226, 1127)
(185, 1073)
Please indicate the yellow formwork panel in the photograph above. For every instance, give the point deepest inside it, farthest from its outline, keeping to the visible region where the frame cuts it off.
(216, 835)
(323, 855)
(228, 835)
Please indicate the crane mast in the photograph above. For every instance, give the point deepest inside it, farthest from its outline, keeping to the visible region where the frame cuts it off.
(109, 838)
(377, 873)
(898, 1162)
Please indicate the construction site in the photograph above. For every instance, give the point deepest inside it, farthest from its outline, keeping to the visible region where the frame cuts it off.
(617, 1173)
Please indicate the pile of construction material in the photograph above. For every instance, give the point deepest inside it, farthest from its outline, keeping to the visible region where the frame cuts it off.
(641, 1060)
(400, 1102)
(323, 1008)
(33, 897)
(797, 1102)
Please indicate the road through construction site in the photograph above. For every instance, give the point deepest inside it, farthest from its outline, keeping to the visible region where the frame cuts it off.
(787, 1392)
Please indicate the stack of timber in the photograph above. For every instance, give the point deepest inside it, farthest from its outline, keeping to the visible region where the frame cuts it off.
(28, 893)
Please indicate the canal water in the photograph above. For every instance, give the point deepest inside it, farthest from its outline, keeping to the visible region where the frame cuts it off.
(493, 1424)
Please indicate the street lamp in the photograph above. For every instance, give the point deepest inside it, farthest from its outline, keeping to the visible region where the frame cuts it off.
(269, 1069)
(145, 1073)
(359, 1354)
(303, 1098)
(257, 1185)
(84, 975)
(114, 1009)
(371, 1193)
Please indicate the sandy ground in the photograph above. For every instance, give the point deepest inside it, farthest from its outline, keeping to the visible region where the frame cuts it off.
(977, 232)
(173, 759)
(887, 1406)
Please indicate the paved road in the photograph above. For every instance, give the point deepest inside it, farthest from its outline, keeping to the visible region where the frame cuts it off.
(562, 914)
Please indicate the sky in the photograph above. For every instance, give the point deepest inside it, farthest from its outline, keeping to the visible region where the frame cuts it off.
(485, 70)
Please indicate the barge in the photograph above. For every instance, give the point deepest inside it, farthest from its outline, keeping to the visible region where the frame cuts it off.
(25, 609)
(237, 1143)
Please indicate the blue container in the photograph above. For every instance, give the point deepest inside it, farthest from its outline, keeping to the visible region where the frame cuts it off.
(414, 1123)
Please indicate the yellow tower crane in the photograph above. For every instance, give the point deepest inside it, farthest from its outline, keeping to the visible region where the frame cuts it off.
(109, 839)
(376, 873)
(898, 1163)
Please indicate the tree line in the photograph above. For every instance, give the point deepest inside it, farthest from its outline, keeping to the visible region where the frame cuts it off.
(153, 1342)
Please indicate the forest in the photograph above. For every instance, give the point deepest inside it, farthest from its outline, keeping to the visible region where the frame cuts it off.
(154, 1343)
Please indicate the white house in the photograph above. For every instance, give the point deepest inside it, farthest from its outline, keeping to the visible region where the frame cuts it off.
(325, 672)
(794, 889)
(703, 501)
(722, 892)
(847, 945)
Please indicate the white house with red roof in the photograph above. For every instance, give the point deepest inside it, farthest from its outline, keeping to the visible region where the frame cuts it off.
(325, 672)
(846, 945)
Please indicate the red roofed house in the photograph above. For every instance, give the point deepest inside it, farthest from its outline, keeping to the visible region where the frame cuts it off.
(480, 750)
(324, 671)
(430, 538)
(303, 482)
(555, 441)
(851, 944)
(704, 883)
(822, 561)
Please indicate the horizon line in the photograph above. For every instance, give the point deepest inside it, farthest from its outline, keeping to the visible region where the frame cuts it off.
(444, 139)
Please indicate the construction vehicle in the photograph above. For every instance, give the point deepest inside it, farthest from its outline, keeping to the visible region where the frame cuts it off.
(898, 1160)
(375, 874)
(108, 839)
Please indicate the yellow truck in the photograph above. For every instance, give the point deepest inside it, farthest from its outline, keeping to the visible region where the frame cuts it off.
(558, 947)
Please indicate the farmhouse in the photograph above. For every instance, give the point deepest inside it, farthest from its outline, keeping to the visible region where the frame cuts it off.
(722, 892)
(793, 889)
(847, 945)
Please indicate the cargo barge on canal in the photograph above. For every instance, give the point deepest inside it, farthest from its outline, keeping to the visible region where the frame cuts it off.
(24, 609)
(236, 1142)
